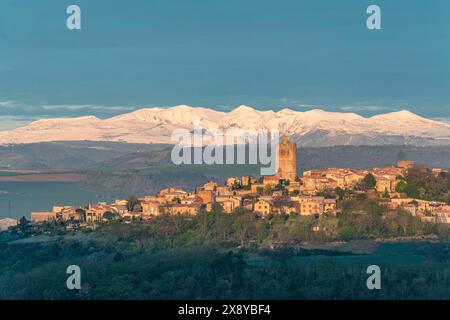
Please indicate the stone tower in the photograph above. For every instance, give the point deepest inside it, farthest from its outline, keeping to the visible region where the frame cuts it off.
(287, 160)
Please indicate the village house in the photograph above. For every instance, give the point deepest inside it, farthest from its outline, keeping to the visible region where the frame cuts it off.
(263, 207)
(294, 186)
(427, 206)
(418, 206)
(60, 213)
(400, 201)
(93, 216)
(71, 213)
(242, 192)
(344, 178)
(329, 205)
(157, 198)
(224, 191)
(165, 191)
(353, 177)
(120, 209)
(270, 180)
(405, 164)
(191, 209)
(210, 186)
(174, 196)
(43, 216)
(151, 208)
(314, 184)
(257, 188)
(6, 223)
(120, 202)
(192, 199)
(101, 208)
(207, 196)
(442, 214)
(411, 208)
(291, 207)
(248, 180)
(384, 184)
(310, 207)
(437, 171)
(229, 203)
(277, 193)
(232, 182)
(248, 204)
(315, 204)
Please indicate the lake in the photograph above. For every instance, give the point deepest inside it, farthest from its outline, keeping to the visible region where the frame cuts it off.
(18, 199)
(409, 253)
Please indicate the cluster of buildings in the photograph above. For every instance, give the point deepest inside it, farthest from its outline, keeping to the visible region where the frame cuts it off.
(6, 223)
(430, 211)
(92, 213)
(319, 180)
(275, 194)
(284, 192)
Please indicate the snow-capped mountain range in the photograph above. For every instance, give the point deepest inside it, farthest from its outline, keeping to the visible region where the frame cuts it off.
(313, 128)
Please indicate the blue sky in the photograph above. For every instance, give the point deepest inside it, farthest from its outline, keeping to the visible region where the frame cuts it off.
(264, 53)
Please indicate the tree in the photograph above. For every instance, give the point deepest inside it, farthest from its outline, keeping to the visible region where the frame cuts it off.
(327, 193)
(108, 215)
(267, 190)
(216, 208)
(248, 186)
(412, 191)
(244, 225)
(23, 224)
(82, 213)
(132, 201)
(369, 181)
(361, 196)
(401, 186)
(340, 192)
(424, 184)
(176, 200)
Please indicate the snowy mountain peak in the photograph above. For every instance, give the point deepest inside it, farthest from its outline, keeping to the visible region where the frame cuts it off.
(242, 109)
(314, 127)
(286, 111)
(64, 120)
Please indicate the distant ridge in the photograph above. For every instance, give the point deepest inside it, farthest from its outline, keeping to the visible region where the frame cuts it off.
(310, 128)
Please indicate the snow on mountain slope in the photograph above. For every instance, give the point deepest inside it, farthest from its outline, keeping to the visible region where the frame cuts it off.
(314, 127)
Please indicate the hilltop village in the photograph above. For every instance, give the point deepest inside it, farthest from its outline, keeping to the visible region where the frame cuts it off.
(317, 192)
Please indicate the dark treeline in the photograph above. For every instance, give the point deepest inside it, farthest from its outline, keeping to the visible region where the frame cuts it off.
(212, 255)
(37, 271)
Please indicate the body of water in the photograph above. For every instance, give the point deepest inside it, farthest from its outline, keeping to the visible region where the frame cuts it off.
(396, 253)
(19, 199)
